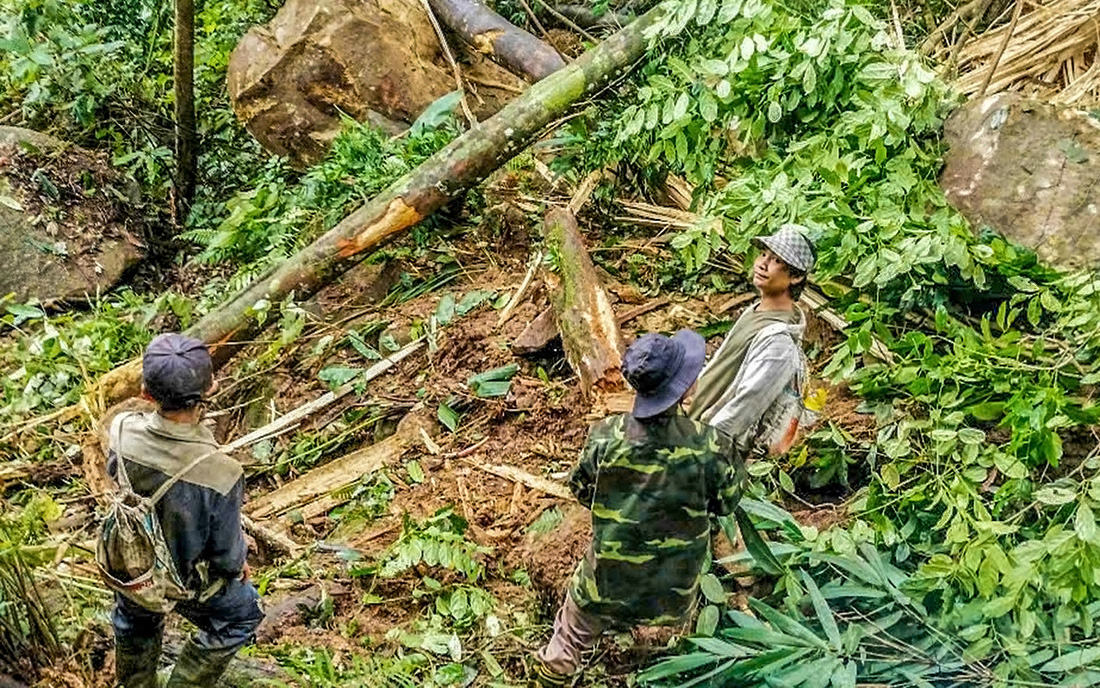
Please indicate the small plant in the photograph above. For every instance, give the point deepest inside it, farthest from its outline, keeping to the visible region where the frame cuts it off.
(29, 632)
(438, 542)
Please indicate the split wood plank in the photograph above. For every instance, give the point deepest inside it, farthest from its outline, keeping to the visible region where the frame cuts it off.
(304, 411)
(318, 490)
(518, 475)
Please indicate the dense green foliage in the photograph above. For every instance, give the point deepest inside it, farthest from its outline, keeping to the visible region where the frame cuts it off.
(271, 218)
(100, 75)
(816, 117)
(972, 556)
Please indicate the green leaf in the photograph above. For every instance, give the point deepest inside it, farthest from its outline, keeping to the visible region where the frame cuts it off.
(712, 589)
(24, 313)
(416, 473)
(1054, 496)
(786, 624)
(1084, 524)
(1072, 660)
(445, 311)
(890, 476)
(809, 79)
(988, 411)
(362, 347)
(473, 300)
(448, 417)
(547, 521)
(437, 113)
(708, 621)
(493, 383)
(824, 613)
(775, 112)
(755, 544)
(337, 376)
(677, 665)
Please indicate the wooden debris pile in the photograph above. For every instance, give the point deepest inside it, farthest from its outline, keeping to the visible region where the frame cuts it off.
(1048, 50)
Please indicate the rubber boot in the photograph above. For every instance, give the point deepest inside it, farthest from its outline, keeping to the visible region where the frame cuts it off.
(545, 677)
(136, 663)
(198, 667)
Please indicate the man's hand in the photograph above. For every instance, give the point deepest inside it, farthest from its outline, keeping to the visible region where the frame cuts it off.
(246, 572)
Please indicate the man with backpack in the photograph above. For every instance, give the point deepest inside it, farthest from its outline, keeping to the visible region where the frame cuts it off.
(191, 555)
(753, 385)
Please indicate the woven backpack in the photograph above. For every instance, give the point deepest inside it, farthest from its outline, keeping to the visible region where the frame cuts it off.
(131, 551)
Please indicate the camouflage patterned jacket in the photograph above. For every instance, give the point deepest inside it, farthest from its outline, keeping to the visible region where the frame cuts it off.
(651, 488)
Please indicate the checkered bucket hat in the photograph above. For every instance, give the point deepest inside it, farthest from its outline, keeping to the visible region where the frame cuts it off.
(793, 246)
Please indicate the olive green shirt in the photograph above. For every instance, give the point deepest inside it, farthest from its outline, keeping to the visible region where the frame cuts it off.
(652, 487)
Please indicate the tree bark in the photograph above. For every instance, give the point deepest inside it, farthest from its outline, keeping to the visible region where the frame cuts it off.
(589, 331)
(587, 19)
(444, 176)
(184, 79)
(501, 41)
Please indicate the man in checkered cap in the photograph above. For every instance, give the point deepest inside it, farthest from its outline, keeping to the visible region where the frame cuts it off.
(753, 385)
(199, 515)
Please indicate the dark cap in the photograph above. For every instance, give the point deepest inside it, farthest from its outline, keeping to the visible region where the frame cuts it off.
(176, 370)
(661, 369)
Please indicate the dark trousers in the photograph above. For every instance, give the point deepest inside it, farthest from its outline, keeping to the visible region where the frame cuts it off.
(226, 621)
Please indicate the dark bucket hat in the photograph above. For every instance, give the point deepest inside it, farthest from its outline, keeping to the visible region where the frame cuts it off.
(661, 369)
(793, 246)
(176, 370)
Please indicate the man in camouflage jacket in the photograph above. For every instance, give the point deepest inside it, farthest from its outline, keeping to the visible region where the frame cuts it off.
(652, 479)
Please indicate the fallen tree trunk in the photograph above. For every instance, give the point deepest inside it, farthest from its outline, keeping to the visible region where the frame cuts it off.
(444, 176)
(589, 330)
(498, 39)
(321, 489)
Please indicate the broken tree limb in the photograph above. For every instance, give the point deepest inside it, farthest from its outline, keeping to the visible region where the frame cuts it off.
(271, 538)
(538, 334)
(299, 414)
(536, 261)
(582, 309)
(444, 176)
(498, 39)
(518, 475)
(543, 330)
(322, 485)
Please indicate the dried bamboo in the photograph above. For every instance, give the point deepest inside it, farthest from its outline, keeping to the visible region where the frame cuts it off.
(1048, 50)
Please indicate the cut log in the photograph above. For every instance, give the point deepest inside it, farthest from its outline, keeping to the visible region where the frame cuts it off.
(501, 41)
(319, 490)
(439, 179)
(589, 330)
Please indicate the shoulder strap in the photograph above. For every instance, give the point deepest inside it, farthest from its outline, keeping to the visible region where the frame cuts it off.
(124, 479)
(167, 484)
(120, 474)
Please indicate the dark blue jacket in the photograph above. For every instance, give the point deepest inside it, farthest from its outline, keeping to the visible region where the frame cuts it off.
(201, 514)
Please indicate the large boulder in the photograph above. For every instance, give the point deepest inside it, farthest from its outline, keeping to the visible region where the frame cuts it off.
(1028, 170)
(67, 221)
(373, 60)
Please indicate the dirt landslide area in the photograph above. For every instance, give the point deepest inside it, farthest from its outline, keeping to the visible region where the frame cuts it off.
(330, 594)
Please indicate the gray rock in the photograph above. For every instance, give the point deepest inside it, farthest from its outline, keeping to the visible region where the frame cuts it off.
(66, 222)
(1029, 171)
